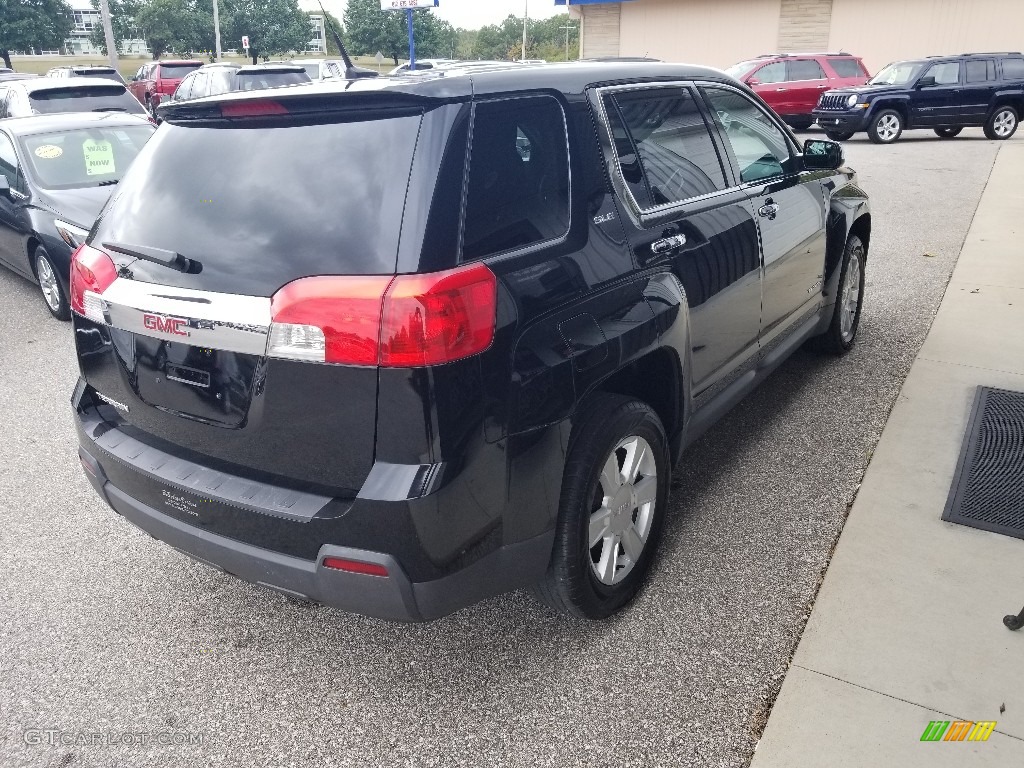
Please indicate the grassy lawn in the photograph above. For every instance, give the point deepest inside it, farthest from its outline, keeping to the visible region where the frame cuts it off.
(130, 65)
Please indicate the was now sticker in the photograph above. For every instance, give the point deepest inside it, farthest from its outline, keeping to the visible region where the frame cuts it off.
(99, 157)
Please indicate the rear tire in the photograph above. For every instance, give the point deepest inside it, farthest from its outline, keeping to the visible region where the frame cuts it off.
(50, 286)
(614, 495)
(842, 330)
(839, 135)
(1002, 123)
(948, 133)
(800, 123)
(887, 127)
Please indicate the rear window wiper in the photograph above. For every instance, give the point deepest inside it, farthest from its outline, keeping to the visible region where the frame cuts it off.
(160, 256)
(110, 109)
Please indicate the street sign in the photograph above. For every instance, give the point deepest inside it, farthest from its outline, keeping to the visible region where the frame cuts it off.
(406, 5)
(379, 58)
(245, 41)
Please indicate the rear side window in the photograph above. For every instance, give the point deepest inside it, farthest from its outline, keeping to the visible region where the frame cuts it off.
(664, 148)
(981, 71)
(176, 71)
(184, 90)
(805, 69)
(773, 73)
(518, 192)
(1013, 69)
(847, 68)
(71, 99)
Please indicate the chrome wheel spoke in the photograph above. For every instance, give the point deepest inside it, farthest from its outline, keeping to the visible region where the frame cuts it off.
(599, 526)
(635, 454)
(632, 543)
(646, 490)
(611, 479)
(609, 561)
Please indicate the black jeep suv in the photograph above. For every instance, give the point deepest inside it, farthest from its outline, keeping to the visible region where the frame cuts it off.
(397, 345)
(944, 93)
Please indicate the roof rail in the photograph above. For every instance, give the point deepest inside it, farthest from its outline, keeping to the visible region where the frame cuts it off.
(993, 53)
(802, 53)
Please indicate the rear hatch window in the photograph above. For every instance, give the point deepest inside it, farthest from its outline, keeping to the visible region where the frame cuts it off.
(96, 98)
(259, 207)
(109, 74)
(177, 71)
(254, 81)
(847, 68)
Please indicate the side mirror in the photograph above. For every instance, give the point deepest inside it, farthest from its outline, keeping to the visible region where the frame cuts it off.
(821, 155)
(752, 81)
(926, 82)
(5, 187)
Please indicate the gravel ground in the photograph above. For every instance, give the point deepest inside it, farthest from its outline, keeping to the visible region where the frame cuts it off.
(107, 631)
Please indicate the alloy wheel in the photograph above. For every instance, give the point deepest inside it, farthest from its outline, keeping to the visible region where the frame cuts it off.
(48, 283)
(888, 127)
(1004, 123)
(851, 294)
(624, 510)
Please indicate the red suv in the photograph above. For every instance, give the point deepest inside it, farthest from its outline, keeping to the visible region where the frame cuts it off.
(159, 77)
(792, 82)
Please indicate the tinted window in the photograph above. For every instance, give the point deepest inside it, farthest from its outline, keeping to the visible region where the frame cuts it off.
(805, 69)
(312, 69)
(199, 84)
(847, 68)
(83, 157)
(261, 206)
(255, 81)
(1013, 69)
(518, 191)
(758, 144)
(184, 90)
(109, 74)
(8, 161)
(661, 133)
(946, 73)
(773, 73)
(980, 71)
(95, 99)
(176, 71)
(4, 97)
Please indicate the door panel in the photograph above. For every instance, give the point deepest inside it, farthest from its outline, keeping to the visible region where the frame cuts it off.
(788, 204)
(979, 84)
(807, 81)
(937, 104)
(12, 252)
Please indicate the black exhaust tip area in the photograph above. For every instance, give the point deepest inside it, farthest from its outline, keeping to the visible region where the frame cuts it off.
(988, 487)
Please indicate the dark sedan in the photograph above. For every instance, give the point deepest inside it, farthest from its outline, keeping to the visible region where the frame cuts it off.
(56, 172)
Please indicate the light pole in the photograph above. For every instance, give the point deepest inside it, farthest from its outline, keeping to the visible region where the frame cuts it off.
(108, 33)
(526, 19)
(569, 27)
(216, 30)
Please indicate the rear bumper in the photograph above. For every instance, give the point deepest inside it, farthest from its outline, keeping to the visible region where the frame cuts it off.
(394, 597)
(841, 122)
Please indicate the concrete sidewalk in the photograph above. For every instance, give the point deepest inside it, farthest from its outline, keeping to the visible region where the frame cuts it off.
(907, 627)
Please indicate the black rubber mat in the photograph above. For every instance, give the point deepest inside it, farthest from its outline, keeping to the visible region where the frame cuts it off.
(988, 487)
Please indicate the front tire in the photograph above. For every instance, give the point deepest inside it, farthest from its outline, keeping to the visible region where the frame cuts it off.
(1002, 123)
(842, 330)
(800, 123)
(839, 135)
(886, 127)
(611, 511)
(49, 285)
(948, 133)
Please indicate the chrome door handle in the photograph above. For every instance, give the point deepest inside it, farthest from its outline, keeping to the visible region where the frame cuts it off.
(667, 244)
(822, 87)
(769, 210)
(780, 90)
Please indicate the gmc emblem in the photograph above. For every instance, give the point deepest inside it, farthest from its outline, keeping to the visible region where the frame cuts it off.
(171, 325)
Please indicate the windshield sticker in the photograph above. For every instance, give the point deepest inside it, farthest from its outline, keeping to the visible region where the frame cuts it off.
(48, 151)
(99, 157)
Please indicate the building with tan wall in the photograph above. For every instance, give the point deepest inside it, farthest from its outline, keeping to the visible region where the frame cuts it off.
(721, 32)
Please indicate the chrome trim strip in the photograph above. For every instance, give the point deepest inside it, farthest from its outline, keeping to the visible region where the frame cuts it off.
(223, 321)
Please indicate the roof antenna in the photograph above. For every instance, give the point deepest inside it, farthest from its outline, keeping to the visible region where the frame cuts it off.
(351, 70)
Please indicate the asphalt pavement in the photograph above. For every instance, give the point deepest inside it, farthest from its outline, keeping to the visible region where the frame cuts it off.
(111, 643)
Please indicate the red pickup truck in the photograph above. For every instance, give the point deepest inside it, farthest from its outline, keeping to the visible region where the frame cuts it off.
(159, 78)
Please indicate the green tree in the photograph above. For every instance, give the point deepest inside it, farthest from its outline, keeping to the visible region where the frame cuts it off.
(330, 45)
(122, 21)
(182, 26)
(370, 30)
(273, 26)
(29, 25)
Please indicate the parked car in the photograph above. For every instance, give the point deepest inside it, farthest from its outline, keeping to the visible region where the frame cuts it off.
(321, 69)
(86, 70)
(382, 353)
(944, 93)
(6, 76)
(792, 82)
(160, 78)
(56, 172)
(47, 95)
(422, 64)
(215, 79)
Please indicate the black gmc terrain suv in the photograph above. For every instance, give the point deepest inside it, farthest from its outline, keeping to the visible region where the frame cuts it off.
(397, 345)
(944, 93)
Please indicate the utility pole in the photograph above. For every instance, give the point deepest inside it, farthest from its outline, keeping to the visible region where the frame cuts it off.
(108, 33)
(526, 19)
(216, 30)
(569, 27)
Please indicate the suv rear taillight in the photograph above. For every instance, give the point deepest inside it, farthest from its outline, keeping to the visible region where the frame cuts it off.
(400, 322)
(92, 272)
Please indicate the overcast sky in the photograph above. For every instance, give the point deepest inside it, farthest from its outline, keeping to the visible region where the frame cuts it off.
(470, 14)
